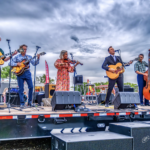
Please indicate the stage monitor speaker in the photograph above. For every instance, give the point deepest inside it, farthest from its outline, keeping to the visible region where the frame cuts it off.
(126, 100)
(91, 141)
(14, 99)
(61, 99)
(138, 130)
(49, 90)
(78, 79)
(102, 96)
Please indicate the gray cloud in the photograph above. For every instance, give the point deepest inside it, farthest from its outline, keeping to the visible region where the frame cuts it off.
(86, 28)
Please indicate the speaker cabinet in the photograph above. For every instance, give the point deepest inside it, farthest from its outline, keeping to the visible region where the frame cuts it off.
(49, 90)
(138, 130)
(91, 141)
(61, 99)
(14, 99)
(78, 79)
(126, 100)
(102, 96)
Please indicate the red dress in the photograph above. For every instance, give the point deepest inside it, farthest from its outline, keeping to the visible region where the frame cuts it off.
(63, 79)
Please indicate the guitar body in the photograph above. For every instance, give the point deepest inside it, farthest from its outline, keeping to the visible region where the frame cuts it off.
(18, 71)
(116, 74)
(1, 60)
(146, 91)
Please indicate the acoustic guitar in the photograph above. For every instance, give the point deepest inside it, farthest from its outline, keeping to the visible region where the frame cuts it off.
(2, 56)
(119, 69)
(146, 89)
(24, 66)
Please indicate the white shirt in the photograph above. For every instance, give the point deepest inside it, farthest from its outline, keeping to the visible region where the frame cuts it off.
(114, 57)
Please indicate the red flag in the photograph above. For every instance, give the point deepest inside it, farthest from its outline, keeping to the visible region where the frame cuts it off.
(47, 72)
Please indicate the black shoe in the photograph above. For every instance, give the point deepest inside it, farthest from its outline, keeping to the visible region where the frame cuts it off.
(147, 105)
(142, 104)
(31, 105)
(106, 105)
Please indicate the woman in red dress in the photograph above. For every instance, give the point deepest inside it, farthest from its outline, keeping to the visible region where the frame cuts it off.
(63, 79)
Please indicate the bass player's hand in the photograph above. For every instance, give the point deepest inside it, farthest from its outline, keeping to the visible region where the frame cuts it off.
(19, 64)
(112, 70)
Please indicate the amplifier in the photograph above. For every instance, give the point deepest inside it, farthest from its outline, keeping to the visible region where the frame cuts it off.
(78, 79)
(103, 140)
(61, 99)
(14, 98)
(126, 100)
(138, 130)
(102, 96)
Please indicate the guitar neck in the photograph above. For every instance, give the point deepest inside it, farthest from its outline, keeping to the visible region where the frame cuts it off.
(7, 54)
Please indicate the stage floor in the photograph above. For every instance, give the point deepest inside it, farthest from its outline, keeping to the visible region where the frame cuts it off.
(94, 109)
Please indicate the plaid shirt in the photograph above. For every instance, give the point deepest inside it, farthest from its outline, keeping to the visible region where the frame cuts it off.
(140, 66)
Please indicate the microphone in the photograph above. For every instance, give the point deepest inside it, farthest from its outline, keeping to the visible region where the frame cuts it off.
(7, 40)
(38, 47)
(117, 50)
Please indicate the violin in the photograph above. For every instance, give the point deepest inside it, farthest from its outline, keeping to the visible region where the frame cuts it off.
(146, 89)
(71, 61)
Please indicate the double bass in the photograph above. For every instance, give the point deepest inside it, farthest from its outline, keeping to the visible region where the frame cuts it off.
(146, 89)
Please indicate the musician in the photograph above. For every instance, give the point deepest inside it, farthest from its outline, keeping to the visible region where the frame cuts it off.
(26, 76)
(64, 67)
(112, 60)
(6, 58)
(140, 69)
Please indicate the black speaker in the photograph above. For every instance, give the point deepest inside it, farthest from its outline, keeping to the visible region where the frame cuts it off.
(102, 96)
(14, 99)
(78, 79)
(126, 100)
(138, 130)
(62, 98)
(91, 141)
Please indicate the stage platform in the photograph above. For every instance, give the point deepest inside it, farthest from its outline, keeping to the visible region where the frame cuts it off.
(95, 110)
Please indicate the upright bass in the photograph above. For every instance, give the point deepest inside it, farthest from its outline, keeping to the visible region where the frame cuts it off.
(146, 89)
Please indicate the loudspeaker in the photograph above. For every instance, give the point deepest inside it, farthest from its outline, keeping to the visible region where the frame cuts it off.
(14, 98)
(138, 130)
(62, 98)
(126, 100)
(102, 96)
(49, 90)
(91, 141)
(78, 79)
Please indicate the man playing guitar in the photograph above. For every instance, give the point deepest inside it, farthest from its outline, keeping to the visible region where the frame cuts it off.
(26, 76)
(112, 60)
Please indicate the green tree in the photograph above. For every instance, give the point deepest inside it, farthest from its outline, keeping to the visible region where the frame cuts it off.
(42, 79)
(5, 73)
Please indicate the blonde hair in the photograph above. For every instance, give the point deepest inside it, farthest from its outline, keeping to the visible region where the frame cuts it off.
(62, 54)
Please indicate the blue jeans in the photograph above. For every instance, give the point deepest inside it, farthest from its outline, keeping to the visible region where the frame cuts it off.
(25, 77)
(141, 84)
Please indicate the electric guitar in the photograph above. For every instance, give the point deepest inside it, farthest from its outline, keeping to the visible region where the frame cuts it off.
(119, 69)
(2, 56)
(24, 66)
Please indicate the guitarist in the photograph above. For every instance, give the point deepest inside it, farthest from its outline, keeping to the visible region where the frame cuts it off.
(26, 76)
(112, 60)
(140, 69)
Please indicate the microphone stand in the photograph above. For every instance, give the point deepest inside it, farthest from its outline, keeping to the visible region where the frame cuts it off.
(74, 70)
(37, 48)
(119, 52)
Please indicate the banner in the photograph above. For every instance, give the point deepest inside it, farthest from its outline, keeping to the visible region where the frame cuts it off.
(47, 72)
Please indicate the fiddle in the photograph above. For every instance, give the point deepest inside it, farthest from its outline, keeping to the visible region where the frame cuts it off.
(71, 61)
(146, 89)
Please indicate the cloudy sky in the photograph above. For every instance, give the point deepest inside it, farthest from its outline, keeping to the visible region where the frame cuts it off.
(85, 28)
